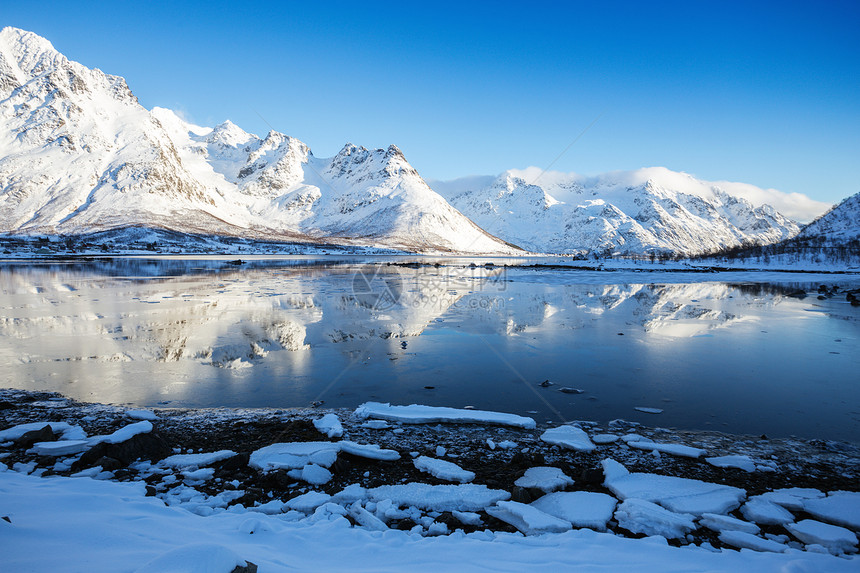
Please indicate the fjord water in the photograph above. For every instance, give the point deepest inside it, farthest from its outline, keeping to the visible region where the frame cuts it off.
(734, 352)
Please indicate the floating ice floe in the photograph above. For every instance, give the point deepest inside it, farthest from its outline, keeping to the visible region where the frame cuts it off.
(682, 495)
(648, 410)
(640, 516)
(464, 497)
(764, 512)
(736, 461)
(198, 460)
(330, 426)
(569, 437)
(840, 508)
(417, 414)
(443, 469)
(579, 508)
(836, 539)
(141, 415)
(527, 518)
(546, 479)
(672, 449)
(720, 523)
(744, 540)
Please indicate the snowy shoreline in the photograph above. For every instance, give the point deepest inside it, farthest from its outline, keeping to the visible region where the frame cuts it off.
(417, 475)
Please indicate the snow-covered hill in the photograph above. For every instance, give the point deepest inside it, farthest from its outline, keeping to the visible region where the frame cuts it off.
(625, 212)
(79, 154)
(840, 225)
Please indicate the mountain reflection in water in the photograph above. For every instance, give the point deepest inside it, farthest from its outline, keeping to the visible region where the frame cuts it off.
(733, 354)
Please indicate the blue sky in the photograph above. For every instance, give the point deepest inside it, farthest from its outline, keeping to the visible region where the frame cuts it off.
(764, 93)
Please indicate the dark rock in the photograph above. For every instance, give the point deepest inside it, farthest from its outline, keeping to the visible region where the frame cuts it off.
(150, 491)
(45, 434)
(592, 476)
(150, 446)
(109, 464)
(567, 390)
(4, 405)
(237, 462)
(247, 568)
(545, 384)
(6, 519)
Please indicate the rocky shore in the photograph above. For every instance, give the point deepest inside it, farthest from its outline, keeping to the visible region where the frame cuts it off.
(498, 456)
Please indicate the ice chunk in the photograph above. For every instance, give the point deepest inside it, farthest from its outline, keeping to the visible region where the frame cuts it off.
(198, 460)
(200, 475)
(527, 518)
(569, 437)
(580, 508)
(836, 539)
(744, 540)
(601, 439)
(678, 494)
(464, 497)
(443, 470)
(764, 512)
(546, 479)
(792, 498)
(719, 523)
(467, 517)
(648, 410)
(417, 414)
(737, 462)
(640, 516)
(350, 494)
(673, 449)
(15, 432)
(312, 474)
(375, 424)
(329, 425)
(840, 508)
(365, 518)
(294, 455)
(308, 502)
(371, 451)
(123, 434)
(61, 448)
(141, 415)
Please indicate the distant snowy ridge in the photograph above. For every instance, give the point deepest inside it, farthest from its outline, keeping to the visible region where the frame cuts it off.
(840, 225)
(79, 154)
(624, 212)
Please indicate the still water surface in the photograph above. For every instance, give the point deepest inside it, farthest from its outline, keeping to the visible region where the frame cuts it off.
(731, 352)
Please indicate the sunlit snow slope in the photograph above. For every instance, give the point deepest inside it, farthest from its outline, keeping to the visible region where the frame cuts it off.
(626, 212)
(79, 154)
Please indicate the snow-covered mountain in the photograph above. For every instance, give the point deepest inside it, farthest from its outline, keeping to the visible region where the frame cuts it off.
(79, 154)
(840, 225)
(626, 212)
